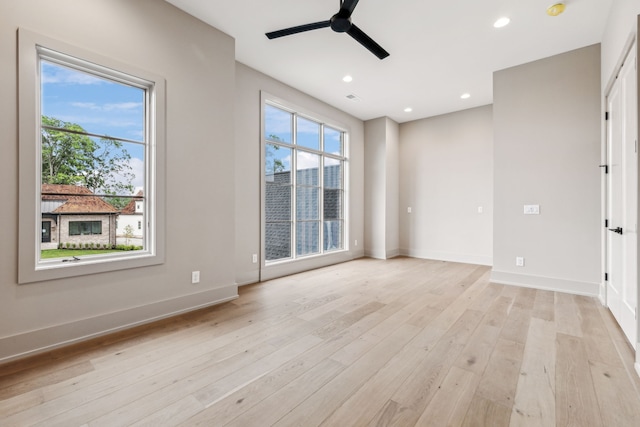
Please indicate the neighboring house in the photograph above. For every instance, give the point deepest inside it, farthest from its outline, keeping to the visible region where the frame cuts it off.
(133, 215)
(73, 214)
(278, 212)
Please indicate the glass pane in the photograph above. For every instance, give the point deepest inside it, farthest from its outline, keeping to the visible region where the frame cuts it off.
(277, 240)
(332, 141)
(96, 227)
(101, 165)
(277, 162)
(307, 206)
(278, 202)
(332, 235)
(332, 204)
(277, 124)
(332, 173)
(92, 104)
(307, 168)
(308, 133)
(308, 238)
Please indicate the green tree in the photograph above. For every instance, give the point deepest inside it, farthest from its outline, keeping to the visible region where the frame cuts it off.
(273, 165)
(71, 157)
(117, 202)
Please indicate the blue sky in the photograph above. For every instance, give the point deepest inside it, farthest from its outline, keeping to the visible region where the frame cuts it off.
(100, 106)
(279, 123)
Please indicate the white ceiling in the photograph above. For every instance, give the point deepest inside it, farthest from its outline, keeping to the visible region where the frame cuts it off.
(439, 49)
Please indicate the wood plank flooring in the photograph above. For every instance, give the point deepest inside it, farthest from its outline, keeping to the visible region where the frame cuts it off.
(401, 342)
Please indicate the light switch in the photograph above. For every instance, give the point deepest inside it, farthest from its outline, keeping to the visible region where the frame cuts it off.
(408, 210)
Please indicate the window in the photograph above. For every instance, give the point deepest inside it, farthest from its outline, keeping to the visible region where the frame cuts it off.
(91, 143)
(81, 228)
(304, 175)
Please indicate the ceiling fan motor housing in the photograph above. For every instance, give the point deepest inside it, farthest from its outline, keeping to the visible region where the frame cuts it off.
(340, 24)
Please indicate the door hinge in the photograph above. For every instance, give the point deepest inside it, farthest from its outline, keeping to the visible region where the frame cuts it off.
(606, 168)
(606, 277)
(606, 222)
(606, 115)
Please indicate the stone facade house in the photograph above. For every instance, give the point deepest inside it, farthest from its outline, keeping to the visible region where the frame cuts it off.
(74, 215)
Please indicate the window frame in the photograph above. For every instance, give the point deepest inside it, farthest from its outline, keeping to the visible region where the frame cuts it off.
(343, 158)
(31, 47)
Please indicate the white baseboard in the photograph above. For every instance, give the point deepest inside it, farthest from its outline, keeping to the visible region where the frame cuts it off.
(248, 277)
(41, 340)
(546, 283)
(602, 292)
(375, 254)
(286, 268)
(393, 253)
(449, 256)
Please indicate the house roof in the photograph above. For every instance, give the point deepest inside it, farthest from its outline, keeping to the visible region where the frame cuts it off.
(76, 200)
(130, 209)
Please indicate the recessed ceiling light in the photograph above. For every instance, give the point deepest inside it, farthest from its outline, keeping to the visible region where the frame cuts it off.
(501, 22)
(555, 9)
(347, 79)
(465, 96)
(408, 110)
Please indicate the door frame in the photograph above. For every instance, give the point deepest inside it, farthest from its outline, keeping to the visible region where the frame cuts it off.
(631, 43)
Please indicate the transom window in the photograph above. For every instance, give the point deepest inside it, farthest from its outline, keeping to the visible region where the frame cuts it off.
(304, 176)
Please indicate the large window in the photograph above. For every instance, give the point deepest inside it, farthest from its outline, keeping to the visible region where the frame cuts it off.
(93, 128)
(304, 185)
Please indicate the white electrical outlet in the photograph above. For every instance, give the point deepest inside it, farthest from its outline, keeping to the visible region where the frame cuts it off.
(409, 210)
(519, 261)
(355, 243)
(195, 277)
(254, 258)
(532, 209)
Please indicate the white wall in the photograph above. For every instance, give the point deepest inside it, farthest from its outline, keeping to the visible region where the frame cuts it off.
(382, 138)
(621, 25)
(392, 240)
(249, 84)
(198, 64)
(446, 175)
(546, 152)
(135, 221)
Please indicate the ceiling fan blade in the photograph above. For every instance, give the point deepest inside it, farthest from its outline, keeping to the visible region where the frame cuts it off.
(298, 29)
(349, 5)
(367, 42)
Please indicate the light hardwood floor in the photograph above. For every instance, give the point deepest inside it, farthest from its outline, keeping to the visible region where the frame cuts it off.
(401, 342)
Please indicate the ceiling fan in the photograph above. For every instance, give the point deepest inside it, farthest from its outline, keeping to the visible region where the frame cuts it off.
(340, 23)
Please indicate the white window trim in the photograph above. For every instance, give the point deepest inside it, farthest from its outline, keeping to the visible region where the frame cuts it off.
(268, 99)
(30, 269)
